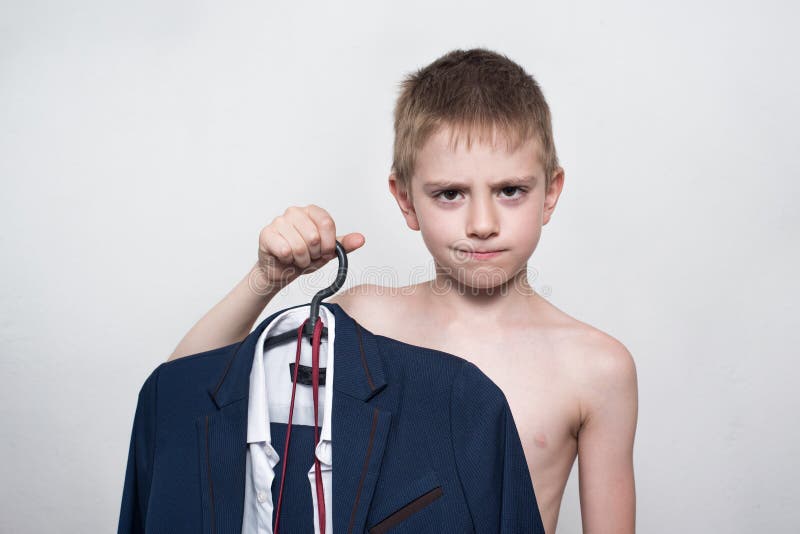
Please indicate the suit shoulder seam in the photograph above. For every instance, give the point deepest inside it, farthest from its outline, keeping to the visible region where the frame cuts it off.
(201, 355)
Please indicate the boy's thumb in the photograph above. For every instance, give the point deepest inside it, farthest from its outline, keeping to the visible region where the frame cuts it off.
(351, 242)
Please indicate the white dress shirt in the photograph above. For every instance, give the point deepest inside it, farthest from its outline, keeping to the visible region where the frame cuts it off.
(270, 396)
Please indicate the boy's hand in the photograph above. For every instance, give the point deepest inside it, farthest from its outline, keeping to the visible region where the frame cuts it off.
(299, 242)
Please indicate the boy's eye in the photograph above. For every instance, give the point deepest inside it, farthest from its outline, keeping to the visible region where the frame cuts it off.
(450, 194)
(512, 187)
(445, 194)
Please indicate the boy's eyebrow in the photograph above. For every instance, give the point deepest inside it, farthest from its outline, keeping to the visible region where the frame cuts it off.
(510, 181)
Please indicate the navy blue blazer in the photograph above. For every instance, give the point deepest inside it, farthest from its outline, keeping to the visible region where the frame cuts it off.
(423, 442)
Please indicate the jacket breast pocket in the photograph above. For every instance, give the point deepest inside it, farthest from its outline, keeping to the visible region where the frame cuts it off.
(416, 509)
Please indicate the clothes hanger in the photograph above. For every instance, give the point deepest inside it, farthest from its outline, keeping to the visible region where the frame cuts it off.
(317, 379)
(324, 293)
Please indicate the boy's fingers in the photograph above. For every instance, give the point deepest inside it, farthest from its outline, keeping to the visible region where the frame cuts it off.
(272, 242)
(307, 230)
(326, 230)
(299, 249)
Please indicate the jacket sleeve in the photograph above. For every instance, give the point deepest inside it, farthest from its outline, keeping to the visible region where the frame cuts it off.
(489, 457)
(139, 472)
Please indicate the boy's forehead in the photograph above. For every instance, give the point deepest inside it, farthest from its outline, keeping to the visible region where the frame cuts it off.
(449, 140)
(446, 150)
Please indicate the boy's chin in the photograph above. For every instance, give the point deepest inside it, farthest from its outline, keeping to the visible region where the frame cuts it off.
(483, 278)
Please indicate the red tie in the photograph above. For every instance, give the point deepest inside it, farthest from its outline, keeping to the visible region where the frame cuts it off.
(315, 385)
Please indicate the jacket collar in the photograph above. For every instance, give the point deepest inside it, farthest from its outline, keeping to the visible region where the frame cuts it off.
(359, 368)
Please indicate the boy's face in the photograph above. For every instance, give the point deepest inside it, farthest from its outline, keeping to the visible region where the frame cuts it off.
(484, 199)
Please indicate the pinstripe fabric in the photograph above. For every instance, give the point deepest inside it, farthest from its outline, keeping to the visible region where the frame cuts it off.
(424, 443)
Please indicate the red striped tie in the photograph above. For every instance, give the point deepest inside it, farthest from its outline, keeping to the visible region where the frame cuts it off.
(315, 385)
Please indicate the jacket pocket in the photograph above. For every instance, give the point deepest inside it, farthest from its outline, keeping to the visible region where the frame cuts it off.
(416, 498)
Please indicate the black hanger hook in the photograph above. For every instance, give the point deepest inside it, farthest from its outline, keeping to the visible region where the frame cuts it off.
(341, 275)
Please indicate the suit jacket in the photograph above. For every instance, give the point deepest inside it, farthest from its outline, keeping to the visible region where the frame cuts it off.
(423, 442)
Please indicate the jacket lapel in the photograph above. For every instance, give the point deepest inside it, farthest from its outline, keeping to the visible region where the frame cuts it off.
(358, 434)
(223, 447)
(222, 440)
(360, 429)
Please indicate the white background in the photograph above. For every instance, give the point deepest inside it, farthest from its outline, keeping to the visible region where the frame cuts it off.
(143, 145)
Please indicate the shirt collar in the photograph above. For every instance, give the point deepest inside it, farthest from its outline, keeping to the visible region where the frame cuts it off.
(258, 422)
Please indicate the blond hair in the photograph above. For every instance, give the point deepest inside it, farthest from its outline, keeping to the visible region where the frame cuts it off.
(474, 90)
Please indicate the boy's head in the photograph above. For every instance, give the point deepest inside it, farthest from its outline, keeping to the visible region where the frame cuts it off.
(494, 194)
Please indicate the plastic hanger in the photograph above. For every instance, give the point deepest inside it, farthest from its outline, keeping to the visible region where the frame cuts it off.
(341, 275)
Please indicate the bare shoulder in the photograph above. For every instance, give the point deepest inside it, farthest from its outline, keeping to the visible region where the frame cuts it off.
(394, 312)
(361, 297)
(597, 361)
(605, 370)
(607, 362)
(370, 305)
(595, 352)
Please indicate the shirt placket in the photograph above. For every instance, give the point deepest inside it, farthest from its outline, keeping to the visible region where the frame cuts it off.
(263, 459)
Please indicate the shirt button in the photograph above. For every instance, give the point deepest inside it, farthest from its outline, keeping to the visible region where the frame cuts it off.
(262, 496)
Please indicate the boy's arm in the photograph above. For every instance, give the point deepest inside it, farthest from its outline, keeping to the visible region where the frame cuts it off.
(232, 318)
(605, 443)
(298, 242)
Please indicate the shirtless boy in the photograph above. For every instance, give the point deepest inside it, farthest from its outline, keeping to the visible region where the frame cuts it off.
(475, 170)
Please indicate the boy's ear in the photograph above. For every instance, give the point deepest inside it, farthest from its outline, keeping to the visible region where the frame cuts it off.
(552, 194)
(404, 200)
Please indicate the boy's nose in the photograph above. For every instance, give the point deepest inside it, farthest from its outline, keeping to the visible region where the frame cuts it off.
(482, 220)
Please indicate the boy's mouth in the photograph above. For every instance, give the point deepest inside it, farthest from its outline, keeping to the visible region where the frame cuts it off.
(481, 254)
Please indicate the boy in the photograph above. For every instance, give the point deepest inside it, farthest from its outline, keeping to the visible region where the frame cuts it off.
(480, 206)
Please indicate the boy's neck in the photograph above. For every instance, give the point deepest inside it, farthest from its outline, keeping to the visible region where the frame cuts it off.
(446, 297)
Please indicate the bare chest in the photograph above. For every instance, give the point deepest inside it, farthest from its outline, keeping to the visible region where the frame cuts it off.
(535, 378)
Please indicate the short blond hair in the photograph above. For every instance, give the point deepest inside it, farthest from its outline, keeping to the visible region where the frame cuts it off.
(474, 90)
